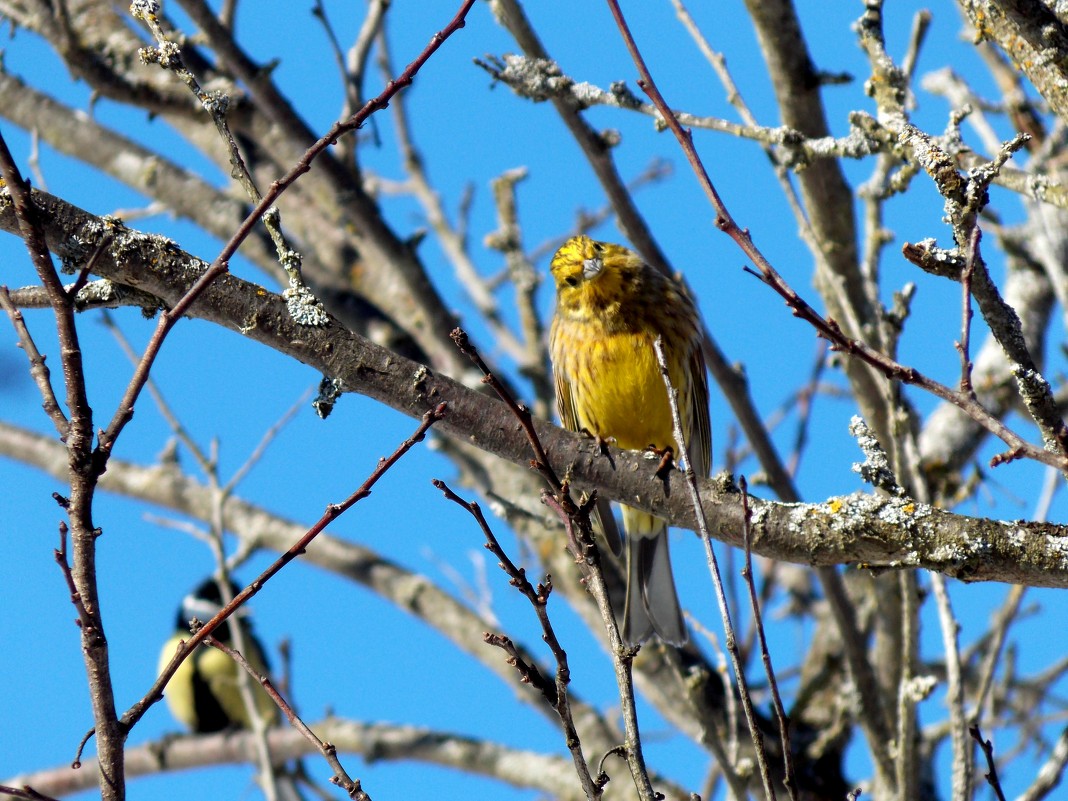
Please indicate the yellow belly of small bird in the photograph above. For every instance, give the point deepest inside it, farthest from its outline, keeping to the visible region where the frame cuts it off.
(619, 392)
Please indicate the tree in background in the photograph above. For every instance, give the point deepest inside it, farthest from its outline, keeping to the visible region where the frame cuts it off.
(837, 660)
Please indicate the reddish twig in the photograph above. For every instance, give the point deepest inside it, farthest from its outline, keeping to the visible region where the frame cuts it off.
(529, 673)
(556, 694)
(341, 778)
(586, 554)
(826, 328)
(60, 555)
(521, 412)
(221, 264)
(333, 511)
(24, 792)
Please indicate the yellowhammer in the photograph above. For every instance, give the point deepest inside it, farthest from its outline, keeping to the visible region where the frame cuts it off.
(610, 307)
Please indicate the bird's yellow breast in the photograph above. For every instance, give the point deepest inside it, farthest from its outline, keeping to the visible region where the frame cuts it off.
(616, 386)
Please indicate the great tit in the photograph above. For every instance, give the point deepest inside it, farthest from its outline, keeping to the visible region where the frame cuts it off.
(204, 692)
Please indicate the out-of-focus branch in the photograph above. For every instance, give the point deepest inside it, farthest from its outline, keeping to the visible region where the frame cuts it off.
(507, 239)
(827, 197)
(451, 238)
(551, 775)
(962, 750)
(510, 15)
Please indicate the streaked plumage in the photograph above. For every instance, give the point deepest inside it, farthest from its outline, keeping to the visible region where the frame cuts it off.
(610, 307)
(203, 693)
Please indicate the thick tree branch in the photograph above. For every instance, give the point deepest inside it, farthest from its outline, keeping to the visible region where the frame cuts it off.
(874, 531)
(1032, 36)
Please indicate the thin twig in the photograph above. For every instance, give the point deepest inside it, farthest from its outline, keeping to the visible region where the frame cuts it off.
(452, 242)
(988, 752)
(373, 23)
(556, 694)
(827, 328)
(341, 778)
(524, 277)
(765, 656)
(730, 638)
(805, 403)
(576, 523)
(657, 170)
(966, 315)
(522, 413)
(727, 755)
(39, 371)
(352, 97)
(204, 461)
(921, 24)
(265, 441)
(999, 626)
(333, 511)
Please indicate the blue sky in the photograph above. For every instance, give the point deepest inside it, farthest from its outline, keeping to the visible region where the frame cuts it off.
(354, 653)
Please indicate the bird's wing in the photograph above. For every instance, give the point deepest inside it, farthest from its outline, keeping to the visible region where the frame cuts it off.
(565, 401)
(700, 445)
(601, 517)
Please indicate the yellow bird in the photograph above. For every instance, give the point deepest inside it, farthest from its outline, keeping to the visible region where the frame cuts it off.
(610, 307)
(204, 693)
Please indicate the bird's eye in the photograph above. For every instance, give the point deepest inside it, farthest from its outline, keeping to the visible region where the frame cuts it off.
(598, 247)
(571, 281)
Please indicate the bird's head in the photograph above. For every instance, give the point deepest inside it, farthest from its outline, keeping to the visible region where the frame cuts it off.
(593, 276)
(204, 603)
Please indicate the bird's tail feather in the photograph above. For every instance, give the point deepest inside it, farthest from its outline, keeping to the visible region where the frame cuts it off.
(652, 604)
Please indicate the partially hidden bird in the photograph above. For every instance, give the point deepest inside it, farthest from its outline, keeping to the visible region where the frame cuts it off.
(610, 308)
(204, 692)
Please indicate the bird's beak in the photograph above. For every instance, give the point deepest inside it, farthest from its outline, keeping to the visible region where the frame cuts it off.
(591, 267)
